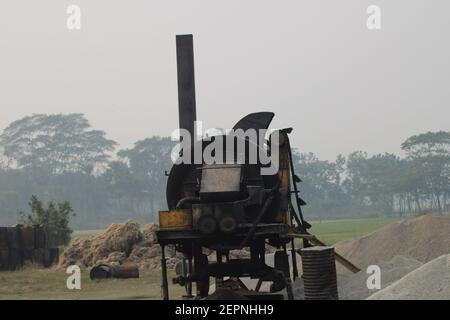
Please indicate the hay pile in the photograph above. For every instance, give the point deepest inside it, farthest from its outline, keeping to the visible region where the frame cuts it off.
(423, 238)
(119, 243)
(429, 282)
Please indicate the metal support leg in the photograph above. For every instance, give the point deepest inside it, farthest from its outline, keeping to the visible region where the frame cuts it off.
(189, 285)
(289, 290)
(294, 261)
(165, 285)
(219, 280)
(287, 277)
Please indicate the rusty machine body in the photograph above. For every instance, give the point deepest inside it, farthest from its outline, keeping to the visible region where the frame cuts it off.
(230, 206)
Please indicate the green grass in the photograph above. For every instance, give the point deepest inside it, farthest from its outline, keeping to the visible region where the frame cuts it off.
(50, 284)
(331, 232)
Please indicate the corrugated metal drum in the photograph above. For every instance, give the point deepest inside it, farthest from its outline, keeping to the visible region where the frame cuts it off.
(15, 251)
(4, 252)
(319, 273)
(54, 256)
(3, 238)
(27, 241)
(40, 237)
(4, 259)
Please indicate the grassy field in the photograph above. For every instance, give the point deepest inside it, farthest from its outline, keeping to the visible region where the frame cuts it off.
(38, 283)
(331, 232)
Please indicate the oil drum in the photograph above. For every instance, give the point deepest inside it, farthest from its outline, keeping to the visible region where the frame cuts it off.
(123, 271)
(4, 251)
(27, 241)
(15, 250)
(319, 273)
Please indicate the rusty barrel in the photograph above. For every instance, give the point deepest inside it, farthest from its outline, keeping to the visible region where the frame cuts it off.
(123, 271)
(27, 242)
(4, 250)
(54, 255)
(41, 251)
(319, 273)
(40, 237)
(15, 248)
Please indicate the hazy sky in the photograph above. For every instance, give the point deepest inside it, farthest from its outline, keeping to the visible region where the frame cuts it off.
(314, 63)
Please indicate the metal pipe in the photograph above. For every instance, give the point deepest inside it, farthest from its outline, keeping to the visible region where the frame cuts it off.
(186, 200)
(186, 84)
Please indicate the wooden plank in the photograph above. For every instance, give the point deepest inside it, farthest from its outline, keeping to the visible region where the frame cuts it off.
(314, 240)
(339, 258)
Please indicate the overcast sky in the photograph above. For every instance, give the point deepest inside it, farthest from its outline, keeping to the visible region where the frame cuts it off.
(314, 63)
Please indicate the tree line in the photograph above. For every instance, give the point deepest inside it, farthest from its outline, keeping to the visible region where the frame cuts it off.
(62, 158)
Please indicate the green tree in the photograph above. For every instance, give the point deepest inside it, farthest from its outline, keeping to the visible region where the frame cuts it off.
(148, 160)
(373, 182)
(56, 143)
(321, 187)
(429, 154)
(55, 218)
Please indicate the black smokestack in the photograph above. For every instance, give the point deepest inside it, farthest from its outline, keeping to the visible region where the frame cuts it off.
(186, 83)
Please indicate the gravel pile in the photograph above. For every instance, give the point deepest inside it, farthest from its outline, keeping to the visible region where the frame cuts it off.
(423, 238)
(429, 282)
(354, 286)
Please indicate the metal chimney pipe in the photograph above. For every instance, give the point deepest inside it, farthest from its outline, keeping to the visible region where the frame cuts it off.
(186, 83)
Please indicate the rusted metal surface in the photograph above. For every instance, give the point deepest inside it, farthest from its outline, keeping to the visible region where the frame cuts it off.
(319, 273)
(123, 271)
(175, 219)
(4, 259)
(3, 238)
(27, 242)
(186, 83)
(19, 244)
(4, 250)
(15, 254)
(40, 236)
(257, 120)
(54, 255)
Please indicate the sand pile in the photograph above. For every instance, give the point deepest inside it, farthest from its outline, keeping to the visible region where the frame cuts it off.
(429, 282)
(354, 287)
(423, 238)
(120, 243)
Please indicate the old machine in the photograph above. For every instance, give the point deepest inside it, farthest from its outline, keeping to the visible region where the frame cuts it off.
(217, 207)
